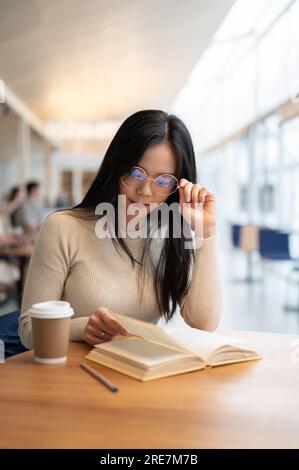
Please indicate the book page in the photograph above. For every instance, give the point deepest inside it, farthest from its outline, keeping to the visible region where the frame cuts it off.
(231, 356)
(118, 363)
(205, 344)
(139, 351)
(149, 331)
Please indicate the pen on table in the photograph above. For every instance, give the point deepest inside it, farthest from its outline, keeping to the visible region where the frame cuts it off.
(99, 377)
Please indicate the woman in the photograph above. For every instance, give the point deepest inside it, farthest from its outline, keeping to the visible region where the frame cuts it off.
(150, 160)
(15, 198)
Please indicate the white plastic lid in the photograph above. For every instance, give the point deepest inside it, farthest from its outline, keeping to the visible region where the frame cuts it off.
(51, 309)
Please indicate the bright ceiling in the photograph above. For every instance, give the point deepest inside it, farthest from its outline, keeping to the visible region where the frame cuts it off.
(89, 60)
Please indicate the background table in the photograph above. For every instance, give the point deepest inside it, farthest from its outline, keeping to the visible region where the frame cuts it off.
(23, 254)
(251, 405)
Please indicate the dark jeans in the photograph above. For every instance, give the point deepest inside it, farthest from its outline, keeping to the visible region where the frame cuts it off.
(9, 334)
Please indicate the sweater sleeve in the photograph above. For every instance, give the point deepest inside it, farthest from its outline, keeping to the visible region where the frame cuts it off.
(202, 306)
(48, 270)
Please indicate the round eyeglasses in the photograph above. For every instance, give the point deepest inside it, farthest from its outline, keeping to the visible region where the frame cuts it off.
(164, 185)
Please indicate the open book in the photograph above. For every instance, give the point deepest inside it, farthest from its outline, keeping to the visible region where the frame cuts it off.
(148, 352)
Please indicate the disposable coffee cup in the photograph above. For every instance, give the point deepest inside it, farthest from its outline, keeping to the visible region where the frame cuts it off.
(51, 323)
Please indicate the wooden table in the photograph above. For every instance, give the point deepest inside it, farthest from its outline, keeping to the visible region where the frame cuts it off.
(250, 405)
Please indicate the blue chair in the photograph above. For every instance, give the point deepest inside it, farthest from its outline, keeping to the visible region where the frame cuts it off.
(236, 230)
(274, 246)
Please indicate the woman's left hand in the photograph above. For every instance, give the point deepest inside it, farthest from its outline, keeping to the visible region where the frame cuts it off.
(203, 216)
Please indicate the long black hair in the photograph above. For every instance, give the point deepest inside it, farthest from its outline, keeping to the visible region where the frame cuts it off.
(137, 133)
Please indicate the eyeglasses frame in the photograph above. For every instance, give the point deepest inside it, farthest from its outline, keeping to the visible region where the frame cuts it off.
(152, 179)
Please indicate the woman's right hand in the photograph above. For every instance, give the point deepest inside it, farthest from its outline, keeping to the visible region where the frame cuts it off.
(102, 326)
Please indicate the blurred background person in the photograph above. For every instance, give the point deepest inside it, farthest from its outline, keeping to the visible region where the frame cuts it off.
(15, 198)
(32, 211)
(9, 207)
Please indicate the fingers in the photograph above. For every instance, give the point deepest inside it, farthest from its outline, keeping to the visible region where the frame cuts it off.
(102, 327)
(109, 323)
(93, 334)
(194, 193)
(185, 190)
(92, 337)
(202, 196)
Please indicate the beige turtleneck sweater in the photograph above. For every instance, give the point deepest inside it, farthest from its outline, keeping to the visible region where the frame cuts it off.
(70, 263)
